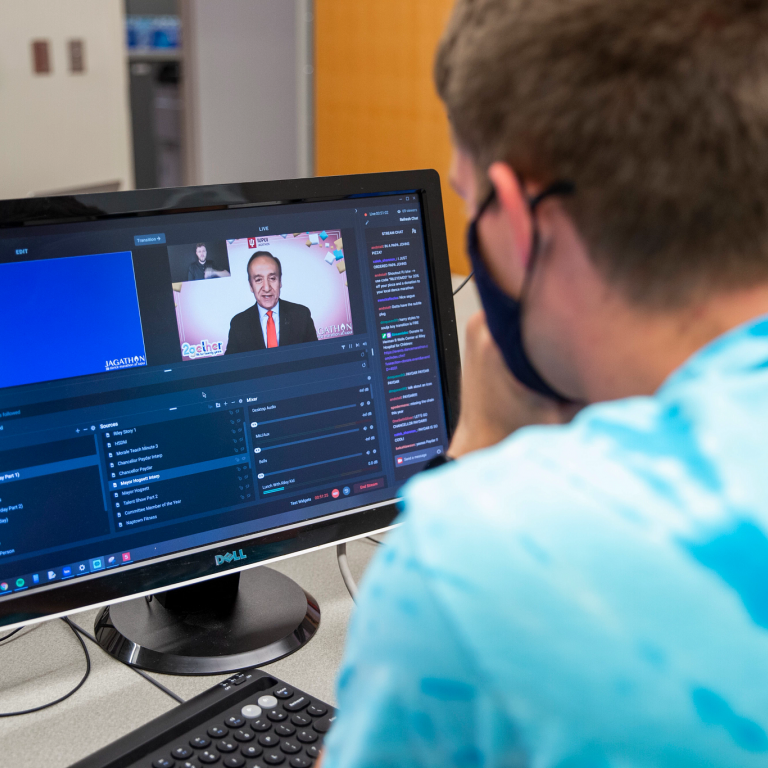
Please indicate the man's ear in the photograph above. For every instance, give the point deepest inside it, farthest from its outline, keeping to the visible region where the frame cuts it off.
(505, 231)
(513, 200)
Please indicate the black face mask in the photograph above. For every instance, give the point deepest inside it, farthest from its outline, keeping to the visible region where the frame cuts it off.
(503, 313)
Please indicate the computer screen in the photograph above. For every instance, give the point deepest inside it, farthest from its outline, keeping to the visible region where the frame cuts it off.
(176, 376)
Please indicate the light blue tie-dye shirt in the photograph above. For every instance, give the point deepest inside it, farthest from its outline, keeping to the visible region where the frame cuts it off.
(587, 596)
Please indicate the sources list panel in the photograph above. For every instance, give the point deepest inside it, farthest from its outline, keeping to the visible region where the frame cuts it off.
(180, 467)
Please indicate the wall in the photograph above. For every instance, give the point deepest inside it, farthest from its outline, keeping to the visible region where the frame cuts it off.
(244, 66)
(62, 130)
(376, 107)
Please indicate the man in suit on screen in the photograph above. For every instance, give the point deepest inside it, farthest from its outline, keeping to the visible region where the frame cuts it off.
(271, 321)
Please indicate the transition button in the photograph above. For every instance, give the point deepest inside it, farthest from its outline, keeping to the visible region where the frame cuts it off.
(158, 239)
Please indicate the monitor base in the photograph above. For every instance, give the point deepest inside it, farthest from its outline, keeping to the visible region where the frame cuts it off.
(233, 622)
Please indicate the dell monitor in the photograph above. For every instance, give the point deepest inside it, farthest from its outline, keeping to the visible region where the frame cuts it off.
(197, 381)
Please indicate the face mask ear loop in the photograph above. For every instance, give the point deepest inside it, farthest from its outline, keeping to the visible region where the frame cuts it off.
(556, 188)
(489, 198)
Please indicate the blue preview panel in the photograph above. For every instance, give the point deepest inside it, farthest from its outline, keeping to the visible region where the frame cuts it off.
(70, 316)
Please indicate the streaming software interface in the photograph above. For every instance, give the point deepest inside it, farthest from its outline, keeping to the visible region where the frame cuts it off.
(174, 381)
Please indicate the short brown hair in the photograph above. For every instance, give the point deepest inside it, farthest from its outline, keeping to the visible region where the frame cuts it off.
(657, 111)
(266, 254)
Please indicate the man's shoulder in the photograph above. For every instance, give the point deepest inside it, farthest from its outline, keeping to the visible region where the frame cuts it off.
(556, 559)
(290, 307)
(543, 474)
(247, 316)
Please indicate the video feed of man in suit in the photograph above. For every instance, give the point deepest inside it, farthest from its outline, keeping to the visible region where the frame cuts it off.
(270, 322)
(279, 290)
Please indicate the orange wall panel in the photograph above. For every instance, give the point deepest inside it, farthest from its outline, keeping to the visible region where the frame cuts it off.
(375, 104)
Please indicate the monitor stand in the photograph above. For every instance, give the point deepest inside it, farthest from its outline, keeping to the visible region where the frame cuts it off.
(236, 621)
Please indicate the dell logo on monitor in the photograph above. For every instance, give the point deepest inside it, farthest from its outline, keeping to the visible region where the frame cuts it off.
(228, 557)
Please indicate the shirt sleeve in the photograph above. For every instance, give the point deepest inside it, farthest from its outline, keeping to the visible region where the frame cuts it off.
(409, 692)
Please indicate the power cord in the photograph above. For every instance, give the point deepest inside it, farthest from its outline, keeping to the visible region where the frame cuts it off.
(66, 695)
(78, 631)
(140, 672)
(471, 274)
(346, 574)
(10, 634)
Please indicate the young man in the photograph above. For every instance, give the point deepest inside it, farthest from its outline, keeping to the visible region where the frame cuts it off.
(203, 268)
(594, 592)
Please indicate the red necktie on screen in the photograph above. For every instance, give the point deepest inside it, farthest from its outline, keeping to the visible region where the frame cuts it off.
(271, 331)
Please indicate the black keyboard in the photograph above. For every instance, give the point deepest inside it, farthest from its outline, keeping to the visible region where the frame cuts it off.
(250, 720)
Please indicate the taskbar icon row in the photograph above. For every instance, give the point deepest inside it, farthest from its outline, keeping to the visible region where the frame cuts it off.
(64, 572)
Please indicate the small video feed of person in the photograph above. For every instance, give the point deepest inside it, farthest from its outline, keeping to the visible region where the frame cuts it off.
(258, 293)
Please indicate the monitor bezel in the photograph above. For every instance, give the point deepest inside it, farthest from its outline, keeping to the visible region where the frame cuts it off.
(198, 564)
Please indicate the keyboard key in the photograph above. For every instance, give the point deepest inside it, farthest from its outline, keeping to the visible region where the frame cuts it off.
(300, 762)
(233, 761)
(261, 724)
(297, 704)
(187, 764)
(316, 710)
(225, 745)
(306, 737)
(243, 735)
(217, 731)
(322, 725)
(269, 740)
(284, 693)
(313, 751)
(199, 742)
(274, 758)
(163, 762)
(289, 747)
(301, 720)
(267, 702)
(251, 711)
(181, 753)
(208, 757)
(276, 715)
(252, 750)
(233, 721)
(285, 729)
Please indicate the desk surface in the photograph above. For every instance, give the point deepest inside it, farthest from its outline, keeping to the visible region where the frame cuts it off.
(43, 662)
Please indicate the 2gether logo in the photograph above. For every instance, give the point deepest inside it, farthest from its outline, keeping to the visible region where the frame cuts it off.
(229, 557)
(124, 362)
(204, 349)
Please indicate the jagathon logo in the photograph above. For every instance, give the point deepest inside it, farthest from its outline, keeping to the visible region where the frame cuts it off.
(125, 362)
